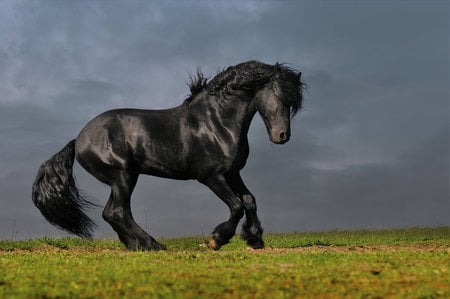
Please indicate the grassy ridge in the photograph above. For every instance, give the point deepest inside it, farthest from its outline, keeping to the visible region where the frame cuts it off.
(390, 263)
(435, 236)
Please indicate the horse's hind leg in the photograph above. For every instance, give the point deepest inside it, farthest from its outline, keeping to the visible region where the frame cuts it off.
(226, 230)
(118, 214)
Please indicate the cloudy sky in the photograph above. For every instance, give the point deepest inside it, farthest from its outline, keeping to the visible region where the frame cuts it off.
(370, 149)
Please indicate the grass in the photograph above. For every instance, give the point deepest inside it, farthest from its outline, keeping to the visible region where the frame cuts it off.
(401, 263)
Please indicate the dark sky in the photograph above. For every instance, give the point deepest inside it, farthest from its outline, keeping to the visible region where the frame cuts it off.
(369, 150)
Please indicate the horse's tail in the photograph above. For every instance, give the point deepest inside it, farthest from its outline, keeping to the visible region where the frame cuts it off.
(57, 197)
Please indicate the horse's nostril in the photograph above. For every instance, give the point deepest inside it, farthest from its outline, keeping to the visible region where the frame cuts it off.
(283, 136)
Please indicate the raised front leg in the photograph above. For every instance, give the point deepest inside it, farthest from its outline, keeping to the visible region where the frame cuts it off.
(251, 229)
(226, 230)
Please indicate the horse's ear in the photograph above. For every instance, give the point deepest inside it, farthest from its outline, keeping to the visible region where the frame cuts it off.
(299, 75)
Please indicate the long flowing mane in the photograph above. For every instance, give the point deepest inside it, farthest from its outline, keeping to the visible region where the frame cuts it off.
(249, 76)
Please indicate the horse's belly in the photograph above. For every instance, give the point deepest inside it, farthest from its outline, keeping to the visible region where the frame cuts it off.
(166, 173)
(162, 159)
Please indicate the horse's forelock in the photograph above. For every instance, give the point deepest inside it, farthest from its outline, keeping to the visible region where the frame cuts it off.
(289, 87)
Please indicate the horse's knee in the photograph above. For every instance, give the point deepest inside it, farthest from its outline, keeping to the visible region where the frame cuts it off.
(249, 202)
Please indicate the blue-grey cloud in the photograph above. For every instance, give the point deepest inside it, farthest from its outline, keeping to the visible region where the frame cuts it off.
(370, 149)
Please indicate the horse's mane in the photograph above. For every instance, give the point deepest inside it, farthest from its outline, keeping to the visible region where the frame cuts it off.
(246, 77)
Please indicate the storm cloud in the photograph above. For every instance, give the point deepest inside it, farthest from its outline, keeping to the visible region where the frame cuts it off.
(370, 149)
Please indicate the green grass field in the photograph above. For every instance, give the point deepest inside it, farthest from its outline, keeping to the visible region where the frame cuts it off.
(401, 263)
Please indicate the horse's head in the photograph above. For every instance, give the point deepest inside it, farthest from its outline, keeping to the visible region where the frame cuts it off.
(278, 100)
(276, 92)
(275, 114)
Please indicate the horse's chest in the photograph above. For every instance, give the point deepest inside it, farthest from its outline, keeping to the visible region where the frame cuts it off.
(216, 154)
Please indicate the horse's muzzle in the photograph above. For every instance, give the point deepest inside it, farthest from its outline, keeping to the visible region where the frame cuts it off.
(280, 138)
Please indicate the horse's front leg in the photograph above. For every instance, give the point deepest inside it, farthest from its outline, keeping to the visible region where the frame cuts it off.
(251, 229)
(226, 230)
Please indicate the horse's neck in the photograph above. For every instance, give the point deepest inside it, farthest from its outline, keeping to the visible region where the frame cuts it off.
(232, 113)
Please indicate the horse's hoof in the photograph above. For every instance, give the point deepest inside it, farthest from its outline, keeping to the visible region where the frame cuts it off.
(150, 246)
(249, 248)
(214, 245)
(158, 246)
(255, 245)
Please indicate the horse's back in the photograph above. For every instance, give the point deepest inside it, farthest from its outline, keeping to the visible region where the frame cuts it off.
(145, 141)
(102, 131)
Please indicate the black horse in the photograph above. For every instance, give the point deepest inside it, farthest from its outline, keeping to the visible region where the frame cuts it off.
(205, 139)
